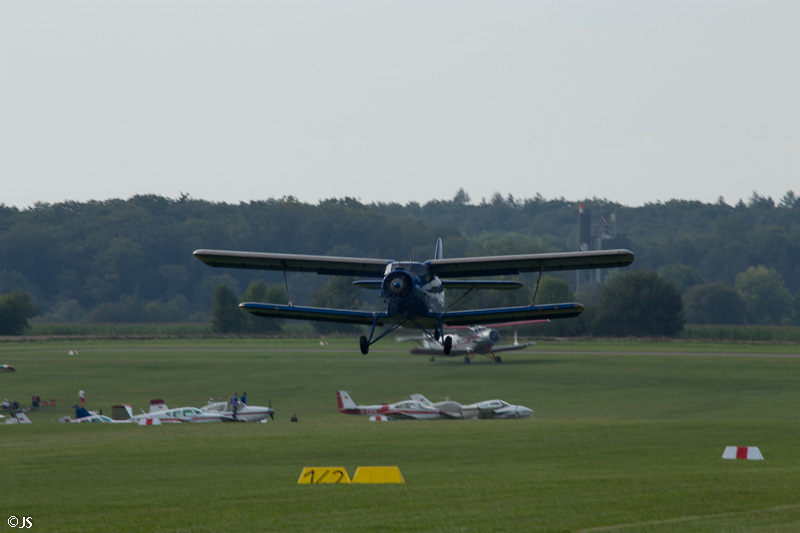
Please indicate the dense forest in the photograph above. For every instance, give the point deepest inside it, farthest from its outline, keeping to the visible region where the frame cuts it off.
(131, 260)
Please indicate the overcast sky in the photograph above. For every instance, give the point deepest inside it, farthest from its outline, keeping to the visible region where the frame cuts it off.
(398, 101)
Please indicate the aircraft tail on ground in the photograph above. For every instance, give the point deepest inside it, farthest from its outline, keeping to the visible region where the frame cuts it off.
(345, 402)
(121, 412)
(158, 405)
(421, 399)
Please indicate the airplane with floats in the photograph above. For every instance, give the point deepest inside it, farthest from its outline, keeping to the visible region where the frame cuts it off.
(476, 340)
(414, 292)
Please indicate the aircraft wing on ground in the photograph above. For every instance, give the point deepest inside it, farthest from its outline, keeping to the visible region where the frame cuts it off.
(321, 264)
(507, 314)
(504, 265)
(324, 314)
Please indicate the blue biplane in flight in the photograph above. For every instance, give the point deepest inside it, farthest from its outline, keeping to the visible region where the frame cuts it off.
(414, 291)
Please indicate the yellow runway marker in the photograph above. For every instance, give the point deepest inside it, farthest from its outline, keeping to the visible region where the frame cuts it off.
(323, 474)
(378, 474)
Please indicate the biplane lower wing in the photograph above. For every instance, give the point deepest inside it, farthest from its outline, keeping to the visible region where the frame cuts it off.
(324, 314)
(508, 314)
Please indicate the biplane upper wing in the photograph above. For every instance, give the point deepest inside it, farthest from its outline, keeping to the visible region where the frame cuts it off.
(321, 264)
(504, 265)
(376, 284)
(323, 314)
(507, 314)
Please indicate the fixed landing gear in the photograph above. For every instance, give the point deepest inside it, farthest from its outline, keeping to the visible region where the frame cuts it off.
(363, 343)
(448, 344)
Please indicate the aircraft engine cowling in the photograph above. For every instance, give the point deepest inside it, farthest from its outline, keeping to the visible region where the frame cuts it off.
(397, 286)
(494, 336)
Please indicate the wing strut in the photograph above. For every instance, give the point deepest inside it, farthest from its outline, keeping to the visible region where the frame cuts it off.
(286, 282)
(365, 343)
(536, 290)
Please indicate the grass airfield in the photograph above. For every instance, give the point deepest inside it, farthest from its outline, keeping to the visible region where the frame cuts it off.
(627, 436)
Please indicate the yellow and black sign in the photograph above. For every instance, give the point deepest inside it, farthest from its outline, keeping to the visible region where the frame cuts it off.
(314, 475)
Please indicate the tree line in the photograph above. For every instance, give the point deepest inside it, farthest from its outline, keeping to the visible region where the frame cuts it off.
(127, 261)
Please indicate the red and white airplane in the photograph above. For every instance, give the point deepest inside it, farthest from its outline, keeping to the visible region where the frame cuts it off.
(405, 410)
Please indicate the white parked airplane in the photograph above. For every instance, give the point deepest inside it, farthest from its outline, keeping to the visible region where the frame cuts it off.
(244, 412)
(485, 409)
(159, 410)
(82, 416)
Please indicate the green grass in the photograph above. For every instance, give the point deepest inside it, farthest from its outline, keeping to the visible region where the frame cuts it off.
(627, 436)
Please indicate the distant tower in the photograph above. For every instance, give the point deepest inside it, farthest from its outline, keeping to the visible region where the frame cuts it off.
(606, 238)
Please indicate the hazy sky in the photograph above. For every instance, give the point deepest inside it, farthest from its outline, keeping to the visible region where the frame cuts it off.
(396, 101)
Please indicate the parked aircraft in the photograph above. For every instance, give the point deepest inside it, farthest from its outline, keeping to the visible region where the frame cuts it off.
(414, 291)
(7, 368)
(475, 340)
(82, 416)
(405, 410)
(159, 410)
(244, 412)
(485, 409)
(17, 418)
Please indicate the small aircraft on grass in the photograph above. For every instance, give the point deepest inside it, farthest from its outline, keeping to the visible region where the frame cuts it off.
(414, 291)
(244, 412)
(485, 409)
(405, 410)
(476, 340)
(82, 416)
(159, 410)
(17, 418)
(418, 407)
